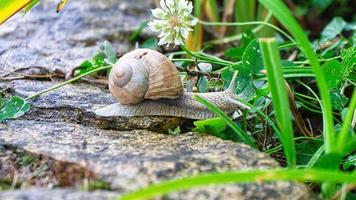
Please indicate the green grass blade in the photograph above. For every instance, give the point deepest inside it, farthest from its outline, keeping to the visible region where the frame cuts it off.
(245, 11)
(282, 13)
(344, 132)
(315, 156)
(248, 176)
(277, 86)
(31, 5)
(244, 136)
(211, 9)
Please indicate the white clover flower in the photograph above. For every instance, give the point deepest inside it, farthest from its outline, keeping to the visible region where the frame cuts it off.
(173, 21)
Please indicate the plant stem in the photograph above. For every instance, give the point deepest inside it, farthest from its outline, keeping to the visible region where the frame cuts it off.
(237, 37)
(65, 83)
(320, 60)
(207, 57)
(245, 24)
(280, 146)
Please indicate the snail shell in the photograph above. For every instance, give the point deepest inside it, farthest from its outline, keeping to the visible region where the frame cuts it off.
(144, 74)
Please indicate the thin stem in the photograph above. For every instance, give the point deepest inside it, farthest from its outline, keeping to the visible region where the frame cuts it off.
(279, 147)
(185, 60)
(313, 93)
(261, 23)
(239, 36)
(320, 60)
(207, 57)
(308, 106)
(269, 120)
(292, 44)
(305, 96)
(66, 82)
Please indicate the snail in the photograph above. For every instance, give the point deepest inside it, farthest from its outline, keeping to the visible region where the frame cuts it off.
(146, 83)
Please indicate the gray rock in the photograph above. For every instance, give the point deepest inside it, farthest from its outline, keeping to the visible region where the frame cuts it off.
(133, 159)
(56, 194)
(61, 41)
(76, 103)
(43, 41)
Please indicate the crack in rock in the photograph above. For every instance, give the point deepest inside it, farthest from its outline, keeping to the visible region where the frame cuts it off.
(27, 169)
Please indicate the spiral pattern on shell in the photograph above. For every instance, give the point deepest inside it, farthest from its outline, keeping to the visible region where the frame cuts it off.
(144, 74)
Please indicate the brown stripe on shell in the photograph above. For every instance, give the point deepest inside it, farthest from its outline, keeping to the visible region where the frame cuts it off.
(164, 80)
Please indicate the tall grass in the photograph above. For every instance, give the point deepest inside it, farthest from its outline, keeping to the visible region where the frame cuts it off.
(282, 13)
(277, 85)
(322, 167)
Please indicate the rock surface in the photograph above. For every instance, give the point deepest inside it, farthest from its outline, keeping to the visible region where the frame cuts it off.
(61, 41)
(133, 159)
(57, 194)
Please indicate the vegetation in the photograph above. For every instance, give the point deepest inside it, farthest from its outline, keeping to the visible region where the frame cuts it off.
(284, 78)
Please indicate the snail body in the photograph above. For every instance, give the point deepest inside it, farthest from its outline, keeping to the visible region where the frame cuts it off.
(157, 90)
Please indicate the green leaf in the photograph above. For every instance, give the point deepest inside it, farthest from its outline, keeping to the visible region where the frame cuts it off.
(244, 86)
(350, 196)
(135, 34)
(176, 131)
(252, 59)
(338, 99)
(13, 108)
(321, 4)
(251, 64)
(333, 29)
(334, 49)
(237, 130)
(349, 162)
(237, 52)
(213, 126)
(109, 52)
(333, 73)
(151, 43)
(329, 161)
(105, 56)
(203, 84)
(306, 150)
(348, 57)
(216, 127)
